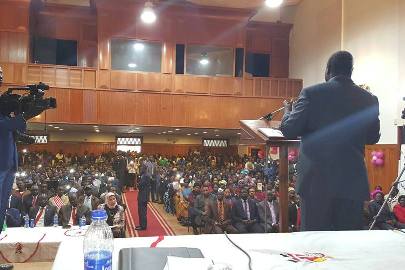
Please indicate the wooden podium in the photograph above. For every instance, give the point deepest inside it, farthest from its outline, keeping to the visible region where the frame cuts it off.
(257, 137)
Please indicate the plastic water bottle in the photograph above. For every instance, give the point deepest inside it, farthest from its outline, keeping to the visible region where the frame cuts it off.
(55, 220)
(82, 222)
(26, 221)
(98, 243)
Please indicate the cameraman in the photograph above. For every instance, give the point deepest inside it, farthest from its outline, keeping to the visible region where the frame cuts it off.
(8, 156)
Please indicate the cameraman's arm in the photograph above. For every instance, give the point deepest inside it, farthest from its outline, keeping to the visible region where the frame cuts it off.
(13, 124)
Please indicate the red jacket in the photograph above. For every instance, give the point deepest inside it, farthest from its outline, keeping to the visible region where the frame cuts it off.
(399, 213)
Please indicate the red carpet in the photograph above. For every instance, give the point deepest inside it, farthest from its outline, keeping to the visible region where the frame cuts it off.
(157, 226)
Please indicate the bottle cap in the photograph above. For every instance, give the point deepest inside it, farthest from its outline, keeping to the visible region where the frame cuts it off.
(98, 214)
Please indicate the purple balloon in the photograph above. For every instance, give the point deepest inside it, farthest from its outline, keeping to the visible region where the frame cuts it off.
(380, 154)
(373, 153)
(379, 162)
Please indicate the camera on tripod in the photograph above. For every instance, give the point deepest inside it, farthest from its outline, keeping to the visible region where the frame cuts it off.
(29, 105)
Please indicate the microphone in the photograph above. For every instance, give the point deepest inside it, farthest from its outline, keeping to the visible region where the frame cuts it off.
(270, 116)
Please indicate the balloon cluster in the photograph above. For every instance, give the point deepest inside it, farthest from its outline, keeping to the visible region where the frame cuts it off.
(292, 155)
(260, 154)
(377, 158)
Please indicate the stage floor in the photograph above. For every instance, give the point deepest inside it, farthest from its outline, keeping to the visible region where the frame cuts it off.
(355, 250)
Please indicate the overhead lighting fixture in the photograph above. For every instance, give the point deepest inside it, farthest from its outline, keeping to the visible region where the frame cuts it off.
(170, 131)
(204, 60)
(95, 126)
(139, 47)
(239, 133)
(148, 14)
(97, 130)
(164, 132)
(50, 125)
(61, 129)
(132, 65)
(205, 132)
(56, 127)
(159, 133)
(274, 3)
(196, 133)
(177, 129)
(217, 135)
(189, 134)
(216, 130)
(137, 128)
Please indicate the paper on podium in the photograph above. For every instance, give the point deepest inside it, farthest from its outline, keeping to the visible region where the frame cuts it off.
(179, 263)
(271, 132)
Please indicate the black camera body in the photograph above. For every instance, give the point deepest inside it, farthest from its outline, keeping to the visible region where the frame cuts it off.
(29, 105)
(34, 102)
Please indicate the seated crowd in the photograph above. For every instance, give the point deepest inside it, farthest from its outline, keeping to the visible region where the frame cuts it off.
(212, 193)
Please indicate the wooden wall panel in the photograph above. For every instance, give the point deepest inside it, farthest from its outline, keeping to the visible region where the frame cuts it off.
(14, 73)
(14, 16)
(13, 47)
(148, 81)
(90, 106)
(384, 175)
(224, 85)
(76, 106)
(62, 77)
(89, 78)
(168, 57)
(104, 79)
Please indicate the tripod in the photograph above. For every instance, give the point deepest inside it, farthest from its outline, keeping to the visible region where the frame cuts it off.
(394, 185)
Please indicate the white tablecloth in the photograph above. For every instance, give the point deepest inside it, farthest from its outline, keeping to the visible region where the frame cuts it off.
(18, 245)
(357, 250)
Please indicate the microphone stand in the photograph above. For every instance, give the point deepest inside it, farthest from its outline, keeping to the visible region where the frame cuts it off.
(270, 116)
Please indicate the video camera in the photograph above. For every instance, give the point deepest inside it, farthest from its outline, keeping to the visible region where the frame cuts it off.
(29, 105)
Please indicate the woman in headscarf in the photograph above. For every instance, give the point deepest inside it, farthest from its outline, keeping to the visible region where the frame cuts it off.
(115, 215)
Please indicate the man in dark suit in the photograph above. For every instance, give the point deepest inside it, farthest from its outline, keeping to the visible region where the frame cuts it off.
(143, 193)
(43, 214)
(269, 213)
(90, 200)
(219, 215)
(70, 214)
(31, 199)
(244, 214)
(335, 120)
(120, 165)
(8, 156)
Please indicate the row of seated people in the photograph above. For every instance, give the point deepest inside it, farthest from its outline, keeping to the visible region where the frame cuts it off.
(392, 216)
(69, 208)
(219, 212)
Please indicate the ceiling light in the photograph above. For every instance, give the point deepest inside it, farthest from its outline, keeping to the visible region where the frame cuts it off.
(95, 126)
(239, 133)
(137, 128)
(139, 47)
(61, 129)
(177, 129)
(189, 134)
(56, 127)
(159, 133)
(132, 65)
(273, 3)
(148, 14)
(205, 132)
(216, 130)
(50, 125)
(196, 133)
(217, 135)
(164, 132)
(170, 131)
(97, 130)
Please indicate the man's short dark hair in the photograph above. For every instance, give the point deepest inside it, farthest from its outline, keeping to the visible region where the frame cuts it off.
(341, 63)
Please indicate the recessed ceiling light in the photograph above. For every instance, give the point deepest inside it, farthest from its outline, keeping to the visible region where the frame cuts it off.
(170, 131)
(159, 133)
(216, 130)
(217, 135)
(137, 128)
(95, 126)
(177, 129)
(97, 130)
(56, 127)
(164, 132)
(196, 133)
(239, 133)
(273, 3)
(50, 125)
(132, 65)
(205, 132)
(61, 129)
(189, 134)
(148, 14)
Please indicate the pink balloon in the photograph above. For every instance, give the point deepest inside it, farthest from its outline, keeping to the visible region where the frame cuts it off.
(379, 162)
(291, 158)
(374, 158)
(260, 154)
(380, 155)
(373, 161)
(373, 153)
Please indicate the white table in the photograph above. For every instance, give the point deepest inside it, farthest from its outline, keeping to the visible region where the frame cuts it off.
(39, 244)
(343, 250)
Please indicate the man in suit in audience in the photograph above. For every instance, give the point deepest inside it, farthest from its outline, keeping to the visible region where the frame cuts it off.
(31, 199)
(43, 214)
(197, 211)
(269, 213)
(70, 214)
(219, 215)
(244, 214)
(143, 187)
(90, 200)
(14, 210)
(335, 120)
